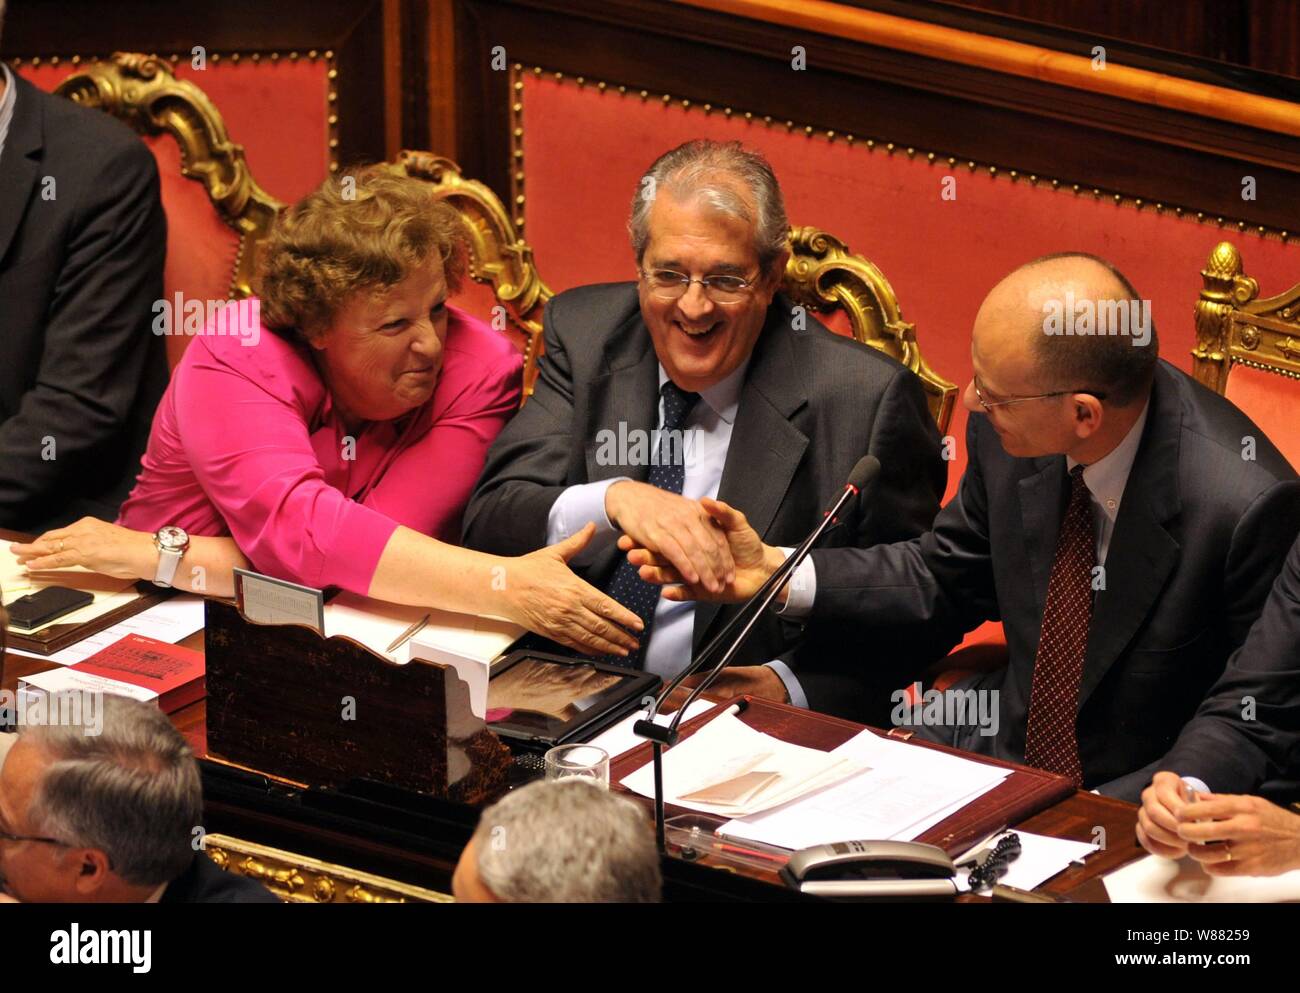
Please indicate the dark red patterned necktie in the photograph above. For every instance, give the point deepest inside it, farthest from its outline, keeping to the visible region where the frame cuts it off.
(1051, 739)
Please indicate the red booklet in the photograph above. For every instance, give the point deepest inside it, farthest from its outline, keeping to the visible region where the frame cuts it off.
(176, 674)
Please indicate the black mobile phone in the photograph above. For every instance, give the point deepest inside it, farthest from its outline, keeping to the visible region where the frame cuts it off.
(31, 611)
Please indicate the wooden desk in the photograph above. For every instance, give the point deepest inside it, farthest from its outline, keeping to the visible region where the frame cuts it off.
(416, 839)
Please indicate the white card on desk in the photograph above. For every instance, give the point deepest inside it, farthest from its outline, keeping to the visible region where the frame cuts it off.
(267, 600)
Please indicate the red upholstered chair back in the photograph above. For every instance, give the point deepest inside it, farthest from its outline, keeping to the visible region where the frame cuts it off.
(945, 230)
(1248, 348)
(212, 224)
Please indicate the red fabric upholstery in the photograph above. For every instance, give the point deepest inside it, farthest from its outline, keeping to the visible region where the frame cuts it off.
(585, 149)
(1269, 399)
(479, 300)
(201, 247)
(278, 113)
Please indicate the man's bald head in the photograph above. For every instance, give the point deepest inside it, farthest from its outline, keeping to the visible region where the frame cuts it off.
(1083, 324)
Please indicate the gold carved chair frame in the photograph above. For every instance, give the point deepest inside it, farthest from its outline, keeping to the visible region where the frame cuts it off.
(143, 92)
(1235, 326)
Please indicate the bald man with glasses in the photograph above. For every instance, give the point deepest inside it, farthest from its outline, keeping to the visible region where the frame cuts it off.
(1122, 521)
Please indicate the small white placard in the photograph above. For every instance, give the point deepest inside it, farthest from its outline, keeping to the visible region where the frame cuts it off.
(267, 600)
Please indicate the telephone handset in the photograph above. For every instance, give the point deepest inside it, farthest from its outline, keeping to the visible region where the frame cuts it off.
(872, 869)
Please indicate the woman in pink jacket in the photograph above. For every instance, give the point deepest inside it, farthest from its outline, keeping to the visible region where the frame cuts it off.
(330, 431)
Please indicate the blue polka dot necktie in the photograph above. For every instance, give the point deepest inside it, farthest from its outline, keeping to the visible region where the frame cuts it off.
(1051, 738)
(668, 472)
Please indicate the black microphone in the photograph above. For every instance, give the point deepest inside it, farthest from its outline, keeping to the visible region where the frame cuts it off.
(863, 475)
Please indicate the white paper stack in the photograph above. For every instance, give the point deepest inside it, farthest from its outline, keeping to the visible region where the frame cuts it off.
(902, 791)
(728, 768)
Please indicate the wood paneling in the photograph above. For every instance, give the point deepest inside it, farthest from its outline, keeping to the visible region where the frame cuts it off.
(352, 29)
(965, 111)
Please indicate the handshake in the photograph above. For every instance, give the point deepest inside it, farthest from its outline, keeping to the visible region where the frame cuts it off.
(695, 549)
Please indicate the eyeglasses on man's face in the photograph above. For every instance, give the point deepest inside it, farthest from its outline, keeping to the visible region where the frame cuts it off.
(668, 284)
(988, 404)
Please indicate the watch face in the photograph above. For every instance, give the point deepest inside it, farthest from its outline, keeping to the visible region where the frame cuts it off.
(172, 538)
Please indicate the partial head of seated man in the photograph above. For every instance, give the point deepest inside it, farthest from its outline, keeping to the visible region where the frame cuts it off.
(565, 841)
(102, 807)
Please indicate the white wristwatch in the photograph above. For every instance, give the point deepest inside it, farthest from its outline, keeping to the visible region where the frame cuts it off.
(171, 543)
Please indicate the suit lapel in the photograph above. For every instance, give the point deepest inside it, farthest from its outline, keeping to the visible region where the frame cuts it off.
(765, 448)
(1142, 552)
(1041, 513)
(624, 400)
(20, 160)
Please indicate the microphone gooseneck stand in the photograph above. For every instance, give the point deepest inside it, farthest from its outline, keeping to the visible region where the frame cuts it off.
(665, 736)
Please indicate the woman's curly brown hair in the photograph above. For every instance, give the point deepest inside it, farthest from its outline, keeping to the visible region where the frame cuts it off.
(363, 231)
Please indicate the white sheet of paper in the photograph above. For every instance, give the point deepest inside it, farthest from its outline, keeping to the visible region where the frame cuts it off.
(721, 743)
(1040, 859)
(903, 787)
(621, 738)
(1156, 880)
(170, 621)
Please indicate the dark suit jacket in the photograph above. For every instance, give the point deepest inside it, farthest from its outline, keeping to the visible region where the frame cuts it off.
(812, 404)
(82, 241)
(1234, 746)
(1199, 538)
(205, 882)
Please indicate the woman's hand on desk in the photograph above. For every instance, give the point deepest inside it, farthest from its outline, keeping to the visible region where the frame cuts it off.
(95, 545)
(543, 594)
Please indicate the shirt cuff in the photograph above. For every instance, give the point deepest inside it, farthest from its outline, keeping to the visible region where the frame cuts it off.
(792, 687)
(578, 505)
(801, 589)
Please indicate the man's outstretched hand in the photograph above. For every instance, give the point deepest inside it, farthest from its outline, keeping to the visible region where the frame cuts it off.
(754, 561)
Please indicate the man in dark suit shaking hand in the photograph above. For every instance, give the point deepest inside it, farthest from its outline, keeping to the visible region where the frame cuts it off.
(1122, 521)
(700, 379)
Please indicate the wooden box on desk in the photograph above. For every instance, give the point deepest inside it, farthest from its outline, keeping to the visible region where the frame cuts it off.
(285, 701)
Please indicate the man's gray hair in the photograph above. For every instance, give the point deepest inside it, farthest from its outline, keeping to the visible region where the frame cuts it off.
(709, 171)
(132, 791)
(567, 841)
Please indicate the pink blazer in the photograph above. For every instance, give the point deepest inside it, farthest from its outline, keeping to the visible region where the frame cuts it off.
(246, 443)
